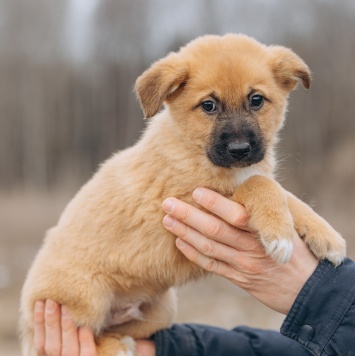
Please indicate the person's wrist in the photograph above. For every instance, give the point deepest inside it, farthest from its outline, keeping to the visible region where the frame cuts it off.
(278, 285)
(301, 266)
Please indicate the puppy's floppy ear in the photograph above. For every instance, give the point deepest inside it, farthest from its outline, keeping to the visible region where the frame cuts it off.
(160, 81)
(288, 68)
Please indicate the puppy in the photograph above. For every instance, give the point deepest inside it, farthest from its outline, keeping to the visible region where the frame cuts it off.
(109, 259)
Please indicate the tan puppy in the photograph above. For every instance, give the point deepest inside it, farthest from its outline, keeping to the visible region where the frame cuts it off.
(109, 259)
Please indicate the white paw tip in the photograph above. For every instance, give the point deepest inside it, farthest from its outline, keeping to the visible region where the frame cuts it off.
(130, 345)
(336, 258)
(280, 250)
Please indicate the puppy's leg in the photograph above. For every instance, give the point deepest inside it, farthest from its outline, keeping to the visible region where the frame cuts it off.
(156, 315)
(111, 344)
(319, 236)
(266, 203)
(27, 341)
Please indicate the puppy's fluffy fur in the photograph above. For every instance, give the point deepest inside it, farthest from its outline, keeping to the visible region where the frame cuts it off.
(109, 259)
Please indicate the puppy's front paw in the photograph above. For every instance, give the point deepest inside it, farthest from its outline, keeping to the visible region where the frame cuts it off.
(326, 244)
(336, 257)
(130, 345)
(280, 249)
(317, 233)
(276, 233)
(267, 206)
(115, 345)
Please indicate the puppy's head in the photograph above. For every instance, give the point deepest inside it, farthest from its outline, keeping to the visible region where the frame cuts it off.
(227, 95)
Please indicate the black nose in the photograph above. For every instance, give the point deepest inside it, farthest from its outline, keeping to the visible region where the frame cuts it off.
(239, 149)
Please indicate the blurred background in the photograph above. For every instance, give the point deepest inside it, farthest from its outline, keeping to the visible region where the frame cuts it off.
(67, 70)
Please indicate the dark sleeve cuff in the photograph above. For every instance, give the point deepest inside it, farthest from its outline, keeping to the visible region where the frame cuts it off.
(178, 340)
(204, 340)
(322, 317)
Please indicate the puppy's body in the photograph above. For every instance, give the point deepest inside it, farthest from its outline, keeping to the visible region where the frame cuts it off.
(109, 259)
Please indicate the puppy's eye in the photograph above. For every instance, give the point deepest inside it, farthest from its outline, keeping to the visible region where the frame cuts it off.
(256, 101)
(209, 106)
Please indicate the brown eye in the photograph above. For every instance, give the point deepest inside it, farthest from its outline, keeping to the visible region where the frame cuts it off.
(256, 101)
(209, 106)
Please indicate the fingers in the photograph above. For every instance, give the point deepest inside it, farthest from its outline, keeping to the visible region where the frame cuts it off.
(210, 242)
(214, 256)
(230, 211)
(205, 224)
(53, 337)
(87, 342)
(206, 246)
(39, 327)
(220, 267)
(211, 255)
(207, 263)
(56, 333)
(208, 225)
(70, 338)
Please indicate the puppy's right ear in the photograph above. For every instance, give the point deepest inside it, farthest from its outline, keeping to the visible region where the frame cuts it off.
(289, 68)
(160, 81)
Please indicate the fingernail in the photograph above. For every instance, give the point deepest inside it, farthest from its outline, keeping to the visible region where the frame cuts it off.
(50, 306)
(168, 221)
(168, 205)
(180, 243)
(39, 306)
(197, 194)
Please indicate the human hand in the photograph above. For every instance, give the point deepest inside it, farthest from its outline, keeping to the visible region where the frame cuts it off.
(223, 244)
(57, 335)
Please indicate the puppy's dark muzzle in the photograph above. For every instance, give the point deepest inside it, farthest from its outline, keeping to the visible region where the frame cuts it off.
(236, 145)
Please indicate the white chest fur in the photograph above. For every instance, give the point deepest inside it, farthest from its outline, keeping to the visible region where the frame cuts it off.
(243, 174)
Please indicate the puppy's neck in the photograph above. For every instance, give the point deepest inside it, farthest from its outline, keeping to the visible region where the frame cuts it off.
(262, 169)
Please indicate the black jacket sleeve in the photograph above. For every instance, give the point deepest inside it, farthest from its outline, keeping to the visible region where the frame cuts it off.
(320, 322)
(203, 340)
(322, 317)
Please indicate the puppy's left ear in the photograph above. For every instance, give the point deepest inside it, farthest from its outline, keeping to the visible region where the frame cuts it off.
(159, 82)
(288, 68)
